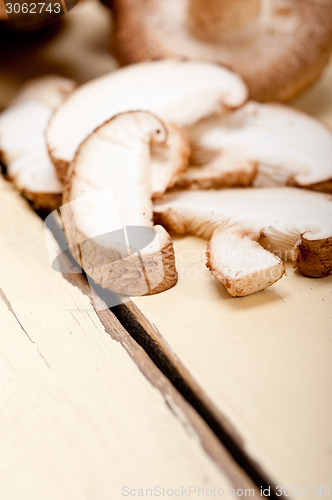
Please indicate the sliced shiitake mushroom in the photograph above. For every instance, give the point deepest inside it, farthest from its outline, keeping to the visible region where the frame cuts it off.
(246, 225)
(263, 145)
(107, 196)
(22, 142)
(180, 92)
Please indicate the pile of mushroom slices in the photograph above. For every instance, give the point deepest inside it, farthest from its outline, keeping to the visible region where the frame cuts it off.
(178, 144)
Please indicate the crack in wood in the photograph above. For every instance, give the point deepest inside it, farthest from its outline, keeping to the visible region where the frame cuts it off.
(137, 326)
(182, 409)
(9, 306)
(10, 309)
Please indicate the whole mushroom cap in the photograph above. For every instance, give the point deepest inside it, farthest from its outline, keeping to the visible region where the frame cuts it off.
(278, 46)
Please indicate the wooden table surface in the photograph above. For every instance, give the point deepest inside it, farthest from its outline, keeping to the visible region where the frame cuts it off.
(262, 364)
(86, 411)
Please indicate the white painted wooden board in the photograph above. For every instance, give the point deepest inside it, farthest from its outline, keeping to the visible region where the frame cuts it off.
(83, 410)
(262, 362)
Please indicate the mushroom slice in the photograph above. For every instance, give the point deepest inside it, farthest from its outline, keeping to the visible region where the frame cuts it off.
(287, 146)
(294, 224)
(211, 168)
(235, 258)
(107, 211)
(264, 41)
(22, 143)
(179, 92)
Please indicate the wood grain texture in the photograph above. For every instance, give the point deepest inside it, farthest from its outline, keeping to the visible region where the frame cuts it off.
(83, 410)
(260, 364)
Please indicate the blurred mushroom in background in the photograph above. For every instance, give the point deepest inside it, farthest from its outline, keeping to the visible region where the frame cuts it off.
(74, 46)
(279, 47)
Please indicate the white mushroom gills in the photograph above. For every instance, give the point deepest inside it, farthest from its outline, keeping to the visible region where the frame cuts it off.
(110, 189)
(292, 223)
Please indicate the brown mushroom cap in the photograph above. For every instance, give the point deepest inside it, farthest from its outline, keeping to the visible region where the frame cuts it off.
(278, 46)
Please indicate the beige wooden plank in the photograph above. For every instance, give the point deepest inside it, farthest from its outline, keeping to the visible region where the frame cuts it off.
(83, 410)
(261, 364)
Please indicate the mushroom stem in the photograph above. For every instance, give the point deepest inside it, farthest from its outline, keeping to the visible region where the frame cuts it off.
(210, 20)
